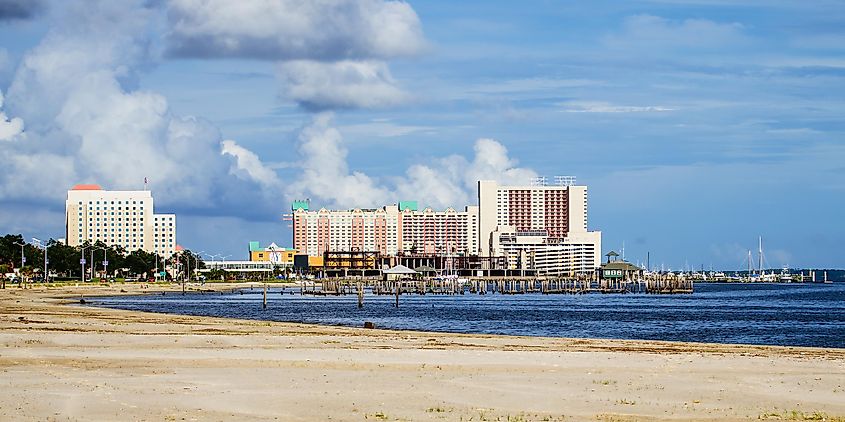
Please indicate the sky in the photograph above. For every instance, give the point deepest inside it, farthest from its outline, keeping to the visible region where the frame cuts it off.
(696, 125)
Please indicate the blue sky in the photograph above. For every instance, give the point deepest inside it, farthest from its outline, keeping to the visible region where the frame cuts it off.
(697, 125)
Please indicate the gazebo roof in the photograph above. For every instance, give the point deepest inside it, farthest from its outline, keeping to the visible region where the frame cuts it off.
(399, 269)
(425, 269)
(612, 253)
(620, 265)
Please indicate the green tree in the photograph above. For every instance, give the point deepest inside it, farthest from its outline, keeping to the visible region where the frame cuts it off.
(139, 262)
(10, 251)
(64, 259)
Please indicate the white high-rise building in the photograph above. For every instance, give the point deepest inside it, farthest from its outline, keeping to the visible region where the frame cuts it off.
(538, 226)
(120, 218)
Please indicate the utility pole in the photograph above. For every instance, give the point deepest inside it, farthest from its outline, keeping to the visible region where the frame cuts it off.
(82, 263)
(23, 258)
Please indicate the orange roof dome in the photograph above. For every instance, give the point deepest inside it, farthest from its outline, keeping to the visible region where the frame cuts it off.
(87, 187)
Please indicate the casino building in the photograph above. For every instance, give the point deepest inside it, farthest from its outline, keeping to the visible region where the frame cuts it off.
(538, 226)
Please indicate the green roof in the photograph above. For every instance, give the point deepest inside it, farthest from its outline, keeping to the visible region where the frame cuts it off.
(299, 205)
(408, 205)
(254, 246)
(620, 265)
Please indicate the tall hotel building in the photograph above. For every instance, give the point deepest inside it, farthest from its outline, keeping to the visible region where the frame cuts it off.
(538, 226)
(388, 230)
(118, 218)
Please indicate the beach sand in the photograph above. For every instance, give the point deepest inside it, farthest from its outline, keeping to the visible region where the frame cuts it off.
(62, 361)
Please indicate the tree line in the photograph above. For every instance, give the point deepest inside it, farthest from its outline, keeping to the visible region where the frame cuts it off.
(63, 261)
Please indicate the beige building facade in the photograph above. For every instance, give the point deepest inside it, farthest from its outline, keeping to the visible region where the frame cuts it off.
(538, 226)
(118, 218)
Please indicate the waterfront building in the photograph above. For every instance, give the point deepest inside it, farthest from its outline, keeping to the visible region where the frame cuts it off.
(279, 256)
(118, 218)
(619, 269)
(538, 226)
(241, 268)
(447, 232)
(388, 230)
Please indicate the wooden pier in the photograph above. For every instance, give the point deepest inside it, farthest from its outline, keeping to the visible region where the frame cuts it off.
(494, 285)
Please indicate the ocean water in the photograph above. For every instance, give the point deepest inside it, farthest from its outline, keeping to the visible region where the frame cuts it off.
(770, 314)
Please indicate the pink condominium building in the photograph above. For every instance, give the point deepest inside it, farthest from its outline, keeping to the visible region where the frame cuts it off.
(389, 230)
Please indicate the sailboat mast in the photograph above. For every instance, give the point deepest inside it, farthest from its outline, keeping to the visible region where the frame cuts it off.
(750, 265)
(761, 255)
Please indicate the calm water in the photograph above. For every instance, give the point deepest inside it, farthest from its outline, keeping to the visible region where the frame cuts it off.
(783, 314)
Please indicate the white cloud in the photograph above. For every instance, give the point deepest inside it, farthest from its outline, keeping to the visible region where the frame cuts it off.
(249, 166)
(325, 172)
(331, 53)
(603, 107)
(443, 182)
(9, 128)
(492, 162)
(291, 29)
(383, 128)
(86, 124)
(344, 84)
(652, 32)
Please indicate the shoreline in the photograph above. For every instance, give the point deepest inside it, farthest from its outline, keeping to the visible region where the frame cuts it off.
(185, 366)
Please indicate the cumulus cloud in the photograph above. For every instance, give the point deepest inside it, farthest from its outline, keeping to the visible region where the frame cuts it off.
(248, 165)
(20, 9)
(331, 53)
(325, 173)
(86, 123)
(336, 85)
(443, 182)
(293, 29)
(9, 128)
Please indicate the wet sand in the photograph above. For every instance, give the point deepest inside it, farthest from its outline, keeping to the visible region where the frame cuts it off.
(62, 361)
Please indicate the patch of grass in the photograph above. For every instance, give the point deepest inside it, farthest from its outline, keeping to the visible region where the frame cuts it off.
(378, 415)
(798, 415)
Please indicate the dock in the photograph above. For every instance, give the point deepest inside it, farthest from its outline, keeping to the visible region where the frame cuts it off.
(490, 285)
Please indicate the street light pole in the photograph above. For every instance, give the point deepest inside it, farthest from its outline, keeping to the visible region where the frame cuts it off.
(105, 263)
(23, 258)
(45, 257)
(82, 262)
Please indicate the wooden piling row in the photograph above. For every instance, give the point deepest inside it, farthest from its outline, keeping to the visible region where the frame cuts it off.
(503, 285)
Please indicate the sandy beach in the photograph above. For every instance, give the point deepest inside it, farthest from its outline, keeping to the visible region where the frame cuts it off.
(63, 361)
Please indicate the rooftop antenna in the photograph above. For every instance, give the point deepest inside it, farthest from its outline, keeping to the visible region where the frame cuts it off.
(538, 181)
(565, 180)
